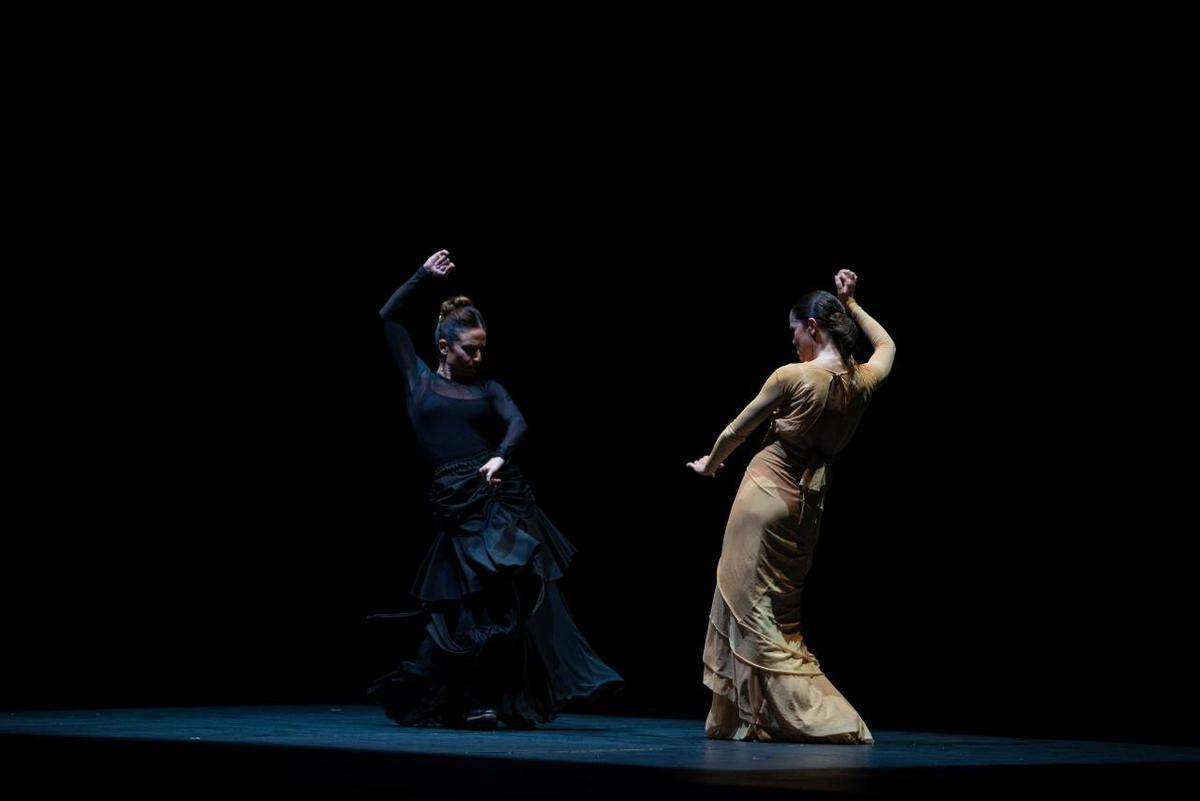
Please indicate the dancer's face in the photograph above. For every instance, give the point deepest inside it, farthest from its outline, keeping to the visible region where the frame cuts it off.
(802, 337)
(464, 356)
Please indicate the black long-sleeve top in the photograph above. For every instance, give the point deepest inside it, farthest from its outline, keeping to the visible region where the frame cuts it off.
(451, 419)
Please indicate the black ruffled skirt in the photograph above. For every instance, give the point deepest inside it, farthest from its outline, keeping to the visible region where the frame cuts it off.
(498, 633)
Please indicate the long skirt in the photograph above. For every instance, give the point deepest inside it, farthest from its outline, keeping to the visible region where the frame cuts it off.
(498, 634)
(765, 682)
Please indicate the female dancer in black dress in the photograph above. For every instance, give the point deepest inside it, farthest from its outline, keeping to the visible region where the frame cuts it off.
(500, 643)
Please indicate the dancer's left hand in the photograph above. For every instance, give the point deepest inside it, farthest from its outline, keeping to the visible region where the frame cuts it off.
(490, 468)
(845, 281)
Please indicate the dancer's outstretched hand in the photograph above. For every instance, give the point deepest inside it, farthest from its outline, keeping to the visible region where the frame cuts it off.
(701, 467)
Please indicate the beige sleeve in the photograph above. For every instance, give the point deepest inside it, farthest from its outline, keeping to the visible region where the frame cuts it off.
(758, 410)
(880, 364)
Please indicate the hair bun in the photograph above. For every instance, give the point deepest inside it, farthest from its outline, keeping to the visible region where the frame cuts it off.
(453, 304)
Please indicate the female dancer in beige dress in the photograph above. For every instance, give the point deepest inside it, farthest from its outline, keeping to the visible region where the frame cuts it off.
(766, 684)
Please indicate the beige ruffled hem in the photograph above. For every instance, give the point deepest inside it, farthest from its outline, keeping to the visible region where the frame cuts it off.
(768, 687)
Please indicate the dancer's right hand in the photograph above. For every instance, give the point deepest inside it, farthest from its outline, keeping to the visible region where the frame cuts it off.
(439, 263)
(701, 467)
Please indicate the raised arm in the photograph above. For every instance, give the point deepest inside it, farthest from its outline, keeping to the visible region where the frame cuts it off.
(398, 338)
(884, 349)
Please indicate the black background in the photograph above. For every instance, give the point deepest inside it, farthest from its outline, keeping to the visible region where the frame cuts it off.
(213, 480)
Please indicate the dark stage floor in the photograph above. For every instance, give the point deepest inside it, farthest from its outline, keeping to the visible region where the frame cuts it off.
(354, 747)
